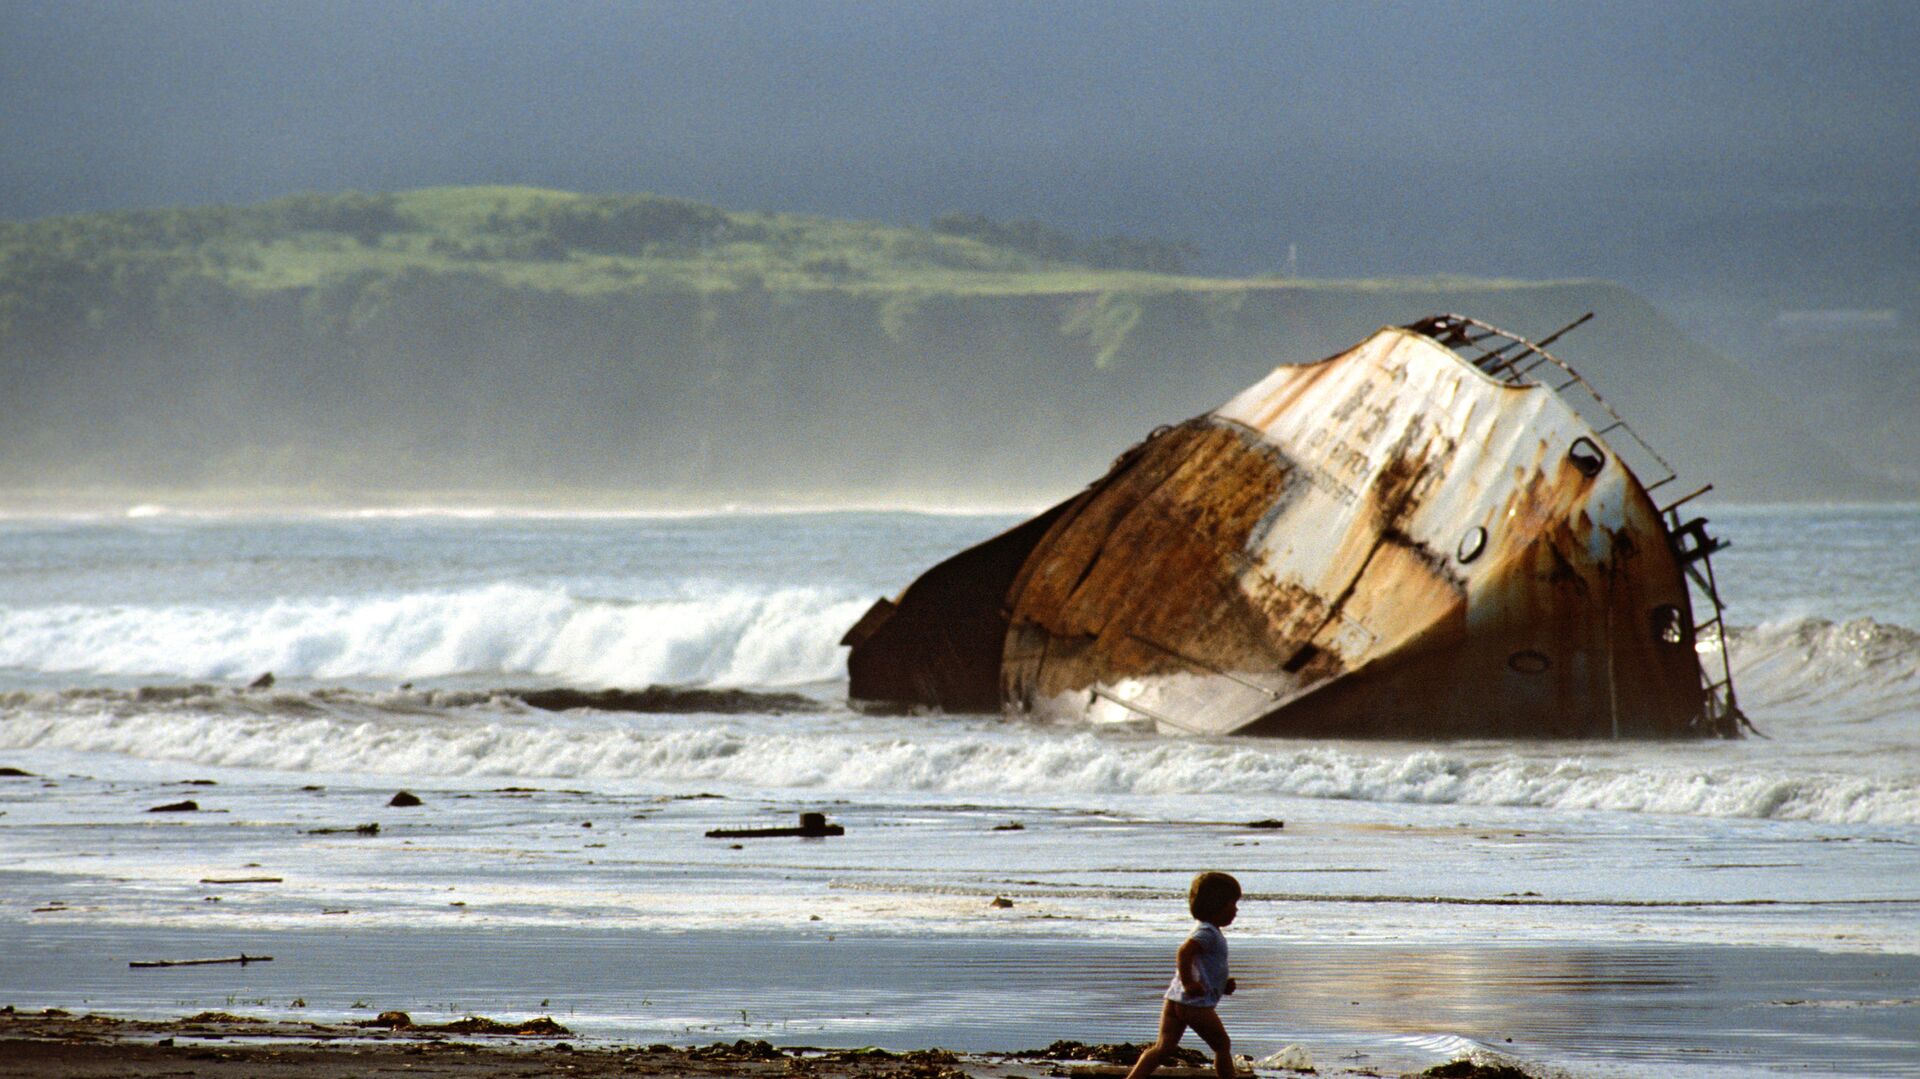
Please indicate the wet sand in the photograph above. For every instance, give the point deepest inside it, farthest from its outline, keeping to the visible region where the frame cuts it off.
(215, 1045)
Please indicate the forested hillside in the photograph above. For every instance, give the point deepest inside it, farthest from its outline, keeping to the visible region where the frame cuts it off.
(548, 344)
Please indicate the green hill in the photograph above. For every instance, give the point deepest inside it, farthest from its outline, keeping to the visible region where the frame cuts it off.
(643, 348)
(526, 237)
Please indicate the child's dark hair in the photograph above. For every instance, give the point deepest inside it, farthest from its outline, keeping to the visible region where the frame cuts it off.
(1209, 893)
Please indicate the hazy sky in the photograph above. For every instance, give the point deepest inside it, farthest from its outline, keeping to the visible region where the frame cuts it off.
(1519, 138)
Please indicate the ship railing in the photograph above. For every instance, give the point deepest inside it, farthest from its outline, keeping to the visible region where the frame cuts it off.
(1720, 712)
(1514, 360)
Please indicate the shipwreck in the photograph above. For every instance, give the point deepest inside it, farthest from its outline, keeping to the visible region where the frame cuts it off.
(1428, 535)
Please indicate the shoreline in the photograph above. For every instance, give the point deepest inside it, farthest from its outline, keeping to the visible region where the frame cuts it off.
(56, 1044)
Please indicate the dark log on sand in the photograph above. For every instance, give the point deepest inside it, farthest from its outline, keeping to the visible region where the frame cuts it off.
(363, 829)
(243, 960)
(812, 826)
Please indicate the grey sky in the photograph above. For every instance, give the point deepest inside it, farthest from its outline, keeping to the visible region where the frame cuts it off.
(1522, 138)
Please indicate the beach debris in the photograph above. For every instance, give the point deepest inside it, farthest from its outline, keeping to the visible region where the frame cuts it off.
(15, 773)
(1010, 826)
(240, 880)
(188, 806)
(358, 829)
(1122, 1053)
(740, 1050)
(265, 681)
(812, 826)
(542, 1027)
(1001, 902)
(1428, 535)
(220, 1017)
(1267, 823)
(61, 1044)
(1470, 1069)
(404, 800)
(241, 959)
(1291, 1058)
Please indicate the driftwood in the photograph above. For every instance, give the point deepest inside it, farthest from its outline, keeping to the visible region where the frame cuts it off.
(364, 829)
(243, 960)
(812, 826)
(240, 880)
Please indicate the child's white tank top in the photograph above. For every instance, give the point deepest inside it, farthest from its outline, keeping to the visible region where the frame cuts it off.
(1210, 964)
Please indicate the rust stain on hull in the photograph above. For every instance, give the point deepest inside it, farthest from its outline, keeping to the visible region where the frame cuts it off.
(1407, 539)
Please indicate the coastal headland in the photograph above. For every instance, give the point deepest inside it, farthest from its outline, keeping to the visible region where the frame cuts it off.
(482, 342)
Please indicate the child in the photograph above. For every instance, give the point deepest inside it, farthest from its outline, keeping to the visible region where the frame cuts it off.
(1199, 978)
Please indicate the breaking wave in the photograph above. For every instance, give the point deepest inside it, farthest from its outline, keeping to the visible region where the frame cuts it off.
(1831, 672)
(1841, 700)
(727, 637)
(456, 735)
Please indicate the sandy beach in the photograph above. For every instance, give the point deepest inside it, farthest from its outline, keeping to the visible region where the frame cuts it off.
(54, 1044)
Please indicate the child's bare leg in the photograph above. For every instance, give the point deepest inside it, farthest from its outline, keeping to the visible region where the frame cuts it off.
(1171, 1027)
(1206, 1023)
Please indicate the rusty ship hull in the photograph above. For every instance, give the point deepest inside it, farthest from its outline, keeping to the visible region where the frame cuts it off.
(1413, 538)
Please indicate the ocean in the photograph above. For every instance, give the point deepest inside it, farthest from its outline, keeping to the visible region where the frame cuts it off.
(1693, 909)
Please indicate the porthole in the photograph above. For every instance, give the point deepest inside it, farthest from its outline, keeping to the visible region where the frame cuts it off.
(1586, 456)
(1472, 544)
(1528, 662)
(1668, 624)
